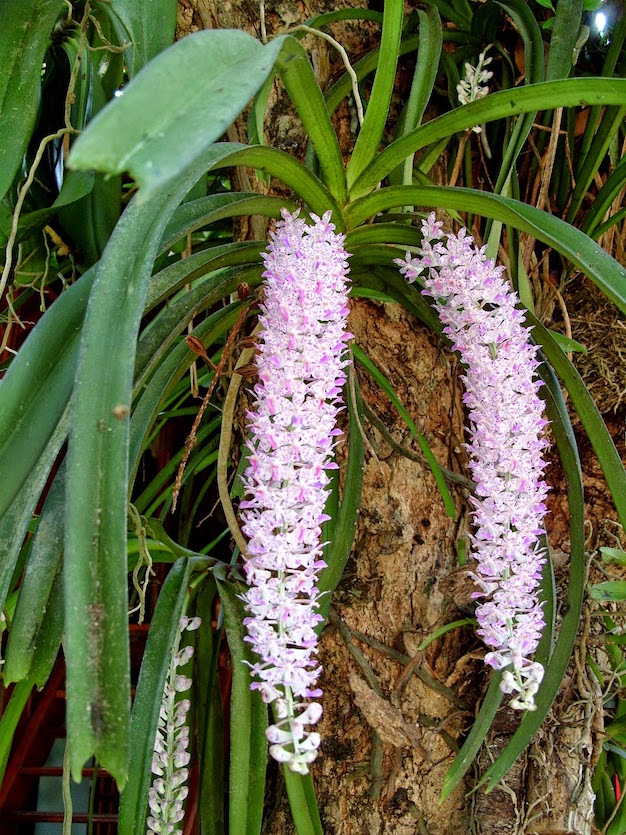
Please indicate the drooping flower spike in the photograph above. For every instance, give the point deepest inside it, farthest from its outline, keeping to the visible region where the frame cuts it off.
(301, 370)
(481, 319)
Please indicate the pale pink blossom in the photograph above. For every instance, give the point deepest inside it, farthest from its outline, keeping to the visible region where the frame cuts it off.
(506, 428)
(301, 370)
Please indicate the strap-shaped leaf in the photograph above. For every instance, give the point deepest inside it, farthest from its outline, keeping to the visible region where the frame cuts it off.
(597, 264)
(345, 520)
(571, 92)
(26, 28)
(14, 523)
(170, 279)
(297, 75)
(197, 213)
(590, 417)
(303, 803)
(375, 120)
(37, 387)
(41, 591)
(162, 123)
(149, 694)
(562, 55)
(248, 746)
(167, 375)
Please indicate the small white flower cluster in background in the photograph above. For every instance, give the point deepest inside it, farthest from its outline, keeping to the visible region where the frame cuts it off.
(301, 367)
(506, 426)
(474, 86)
(171, 756)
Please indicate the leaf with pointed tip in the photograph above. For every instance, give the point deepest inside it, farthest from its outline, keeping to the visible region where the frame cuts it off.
(162, 122)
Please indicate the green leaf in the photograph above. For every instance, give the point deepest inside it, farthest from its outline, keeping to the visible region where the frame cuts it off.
(577, 247)
(170, 370)
(373, 127)
(15, 521)
(248, 745)
(475, 738)
(188, 270)
(563, 54)
(297, 75)
(37, 387)
(41, 592)
(150, 27)
(162, 123)
(10, 717)
(610, 591)
(590, 417)
(302, 803)
(426, 68)
(613, 556)
(566, 344)
(26, 28)
(76, 185)
(211, 754)
(95, 566)
(198, 213)
(571, 92)
(154, 669)
(345, 520)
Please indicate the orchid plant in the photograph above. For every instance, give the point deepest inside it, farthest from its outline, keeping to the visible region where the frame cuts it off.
(87, 393)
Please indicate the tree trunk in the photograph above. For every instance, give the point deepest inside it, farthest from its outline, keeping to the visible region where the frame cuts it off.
(393, 716)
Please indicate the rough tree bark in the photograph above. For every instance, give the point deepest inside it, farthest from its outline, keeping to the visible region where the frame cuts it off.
(392, 717)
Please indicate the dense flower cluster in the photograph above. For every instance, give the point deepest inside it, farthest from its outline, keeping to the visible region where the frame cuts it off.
(474, 85)
(506, 425)
(171, 757)
(300, 362)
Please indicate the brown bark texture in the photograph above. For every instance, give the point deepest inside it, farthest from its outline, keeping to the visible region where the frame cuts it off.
(393, 716)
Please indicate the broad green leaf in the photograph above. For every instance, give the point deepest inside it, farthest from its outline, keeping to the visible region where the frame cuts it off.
(610, 591)
(248, 745)
(613, 556)
(371, 132)
(297, 75)
(597, 264)
(571, 92)
(26, 29)
(162, 123)
(154, 668)
(150, 26)
(95, 565)
(566, 344)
